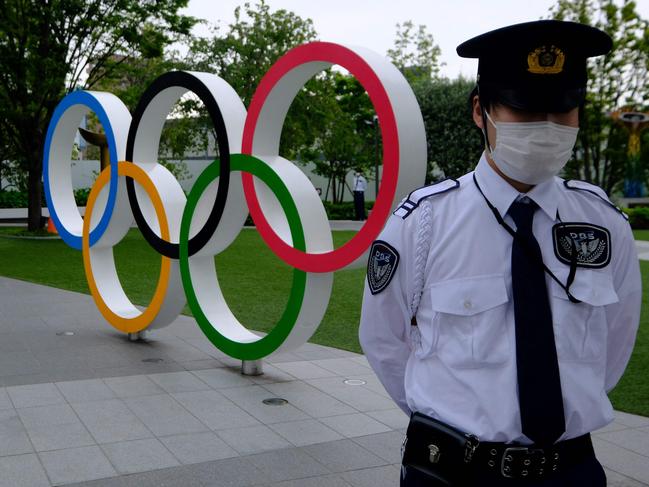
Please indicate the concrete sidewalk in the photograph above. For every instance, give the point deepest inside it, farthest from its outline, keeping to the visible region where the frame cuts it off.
(94, 409)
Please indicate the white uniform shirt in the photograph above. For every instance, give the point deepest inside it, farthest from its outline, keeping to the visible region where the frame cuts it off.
(459, 363)
(360, 183)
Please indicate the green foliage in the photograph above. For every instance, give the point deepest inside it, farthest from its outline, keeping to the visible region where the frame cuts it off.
(50, 48)
(415, 52)
(616, 80)
(13, 199)
(454, 142)
(348, 134)
(638, 217)
(81, 196)
(345, 210)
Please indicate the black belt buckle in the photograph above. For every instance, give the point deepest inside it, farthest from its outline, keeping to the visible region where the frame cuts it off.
(522, 461)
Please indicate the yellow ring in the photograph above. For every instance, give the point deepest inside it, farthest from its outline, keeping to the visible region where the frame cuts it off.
(142, 321)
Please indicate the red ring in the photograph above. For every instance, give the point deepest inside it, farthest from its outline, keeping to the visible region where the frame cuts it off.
(361, 70)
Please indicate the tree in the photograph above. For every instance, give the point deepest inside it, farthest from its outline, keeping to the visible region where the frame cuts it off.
(48, 48)
(346, 132)
(250, 46)
(454, 142)
(415, 52)
(616, 80)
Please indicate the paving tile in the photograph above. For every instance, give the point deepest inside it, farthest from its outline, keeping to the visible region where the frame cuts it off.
(215, 410)
(287, 464)
(387, 476)
(393, 418)
(334, 480)
(343, 455)
(613, 426)
(631, 439)
(230, 472)
(198, 447)
(223, 377)
(54, 428)
(342, 366)
(14, 363)
(249, 398)
(631, 420)
(306, 432)
(309, 399)
(133, 386)
(163, 415)
(271, 375)
(111, 421)
(13, 436)
(385, 445)
(85, 390)
(5, 402)
(139, 455)
(253, 439)
(362, 399)
(28, 396)
(178, 382)
(284, 357)
(614, 479)
(356, 424)
(304, 370)
(22, 471)
(621, 460)
(76, 465)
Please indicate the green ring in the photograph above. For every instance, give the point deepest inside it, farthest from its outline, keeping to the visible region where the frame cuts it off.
(272, 341)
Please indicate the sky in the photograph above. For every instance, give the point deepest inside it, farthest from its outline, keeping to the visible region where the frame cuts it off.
(371, 23)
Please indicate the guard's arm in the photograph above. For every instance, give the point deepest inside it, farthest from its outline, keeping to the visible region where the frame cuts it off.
(624, 316)
(385, 317)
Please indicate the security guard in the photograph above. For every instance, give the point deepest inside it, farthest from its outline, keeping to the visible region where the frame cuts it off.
(500, 308)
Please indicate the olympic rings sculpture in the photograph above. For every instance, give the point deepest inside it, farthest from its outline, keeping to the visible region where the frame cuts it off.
(189, 231)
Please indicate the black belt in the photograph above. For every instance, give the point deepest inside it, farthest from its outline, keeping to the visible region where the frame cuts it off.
(530, 461)
(450, 455)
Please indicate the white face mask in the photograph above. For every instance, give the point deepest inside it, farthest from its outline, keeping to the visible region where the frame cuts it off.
(532, 152)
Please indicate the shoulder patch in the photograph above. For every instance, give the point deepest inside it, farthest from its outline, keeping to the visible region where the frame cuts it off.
(586, 187)
(591, 243)
(415, 198)
(381, 266)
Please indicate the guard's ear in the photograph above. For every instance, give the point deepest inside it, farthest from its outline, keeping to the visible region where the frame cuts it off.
(476, 112)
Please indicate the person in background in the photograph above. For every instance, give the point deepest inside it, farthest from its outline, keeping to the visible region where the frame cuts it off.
(360, 185)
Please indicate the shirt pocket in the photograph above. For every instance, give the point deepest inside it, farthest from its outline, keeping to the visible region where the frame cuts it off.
(581, 329)
(469, 321)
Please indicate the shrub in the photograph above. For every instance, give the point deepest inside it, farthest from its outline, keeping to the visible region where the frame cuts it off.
(638, 217)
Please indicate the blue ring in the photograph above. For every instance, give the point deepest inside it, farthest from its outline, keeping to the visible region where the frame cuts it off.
(87, 99)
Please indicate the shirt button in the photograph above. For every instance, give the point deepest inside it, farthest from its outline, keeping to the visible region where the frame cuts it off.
(468, 304)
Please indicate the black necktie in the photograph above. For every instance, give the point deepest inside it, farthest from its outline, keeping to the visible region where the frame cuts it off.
(539, 385)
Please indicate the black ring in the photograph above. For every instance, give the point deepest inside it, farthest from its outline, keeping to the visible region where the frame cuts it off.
(186, 80)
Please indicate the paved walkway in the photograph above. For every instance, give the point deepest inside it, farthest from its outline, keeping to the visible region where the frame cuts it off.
(94, 409)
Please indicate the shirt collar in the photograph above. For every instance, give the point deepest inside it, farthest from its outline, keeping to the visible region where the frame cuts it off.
(501, 194)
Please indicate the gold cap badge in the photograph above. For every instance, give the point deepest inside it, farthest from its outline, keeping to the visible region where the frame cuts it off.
(544, 60)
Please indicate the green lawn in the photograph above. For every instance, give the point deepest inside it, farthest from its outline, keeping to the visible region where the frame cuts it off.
(256, 285)
(641, 234)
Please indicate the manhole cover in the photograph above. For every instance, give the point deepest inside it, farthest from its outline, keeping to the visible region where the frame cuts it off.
(153, 360)
(65, 333)
(354, 382)
(275, 401)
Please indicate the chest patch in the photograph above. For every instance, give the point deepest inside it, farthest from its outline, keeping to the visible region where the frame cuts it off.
(381, 266)
(592, 244)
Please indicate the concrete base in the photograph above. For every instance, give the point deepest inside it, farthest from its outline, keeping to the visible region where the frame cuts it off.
(139, 336)
(252, 367)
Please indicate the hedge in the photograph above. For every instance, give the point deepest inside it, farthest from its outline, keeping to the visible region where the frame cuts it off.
(18, 199)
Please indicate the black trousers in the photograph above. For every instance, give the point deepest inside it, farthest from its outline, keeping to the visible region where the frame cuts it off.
(589, 472)
(359, 204)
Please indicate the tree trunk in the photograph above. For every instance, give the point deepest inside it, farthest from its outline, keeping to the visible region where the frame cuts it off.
(34, 190)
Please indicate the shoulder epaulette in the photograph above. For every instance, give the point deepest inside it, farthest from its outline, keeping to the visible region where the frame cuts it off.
(415, 198)
(585, 186)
